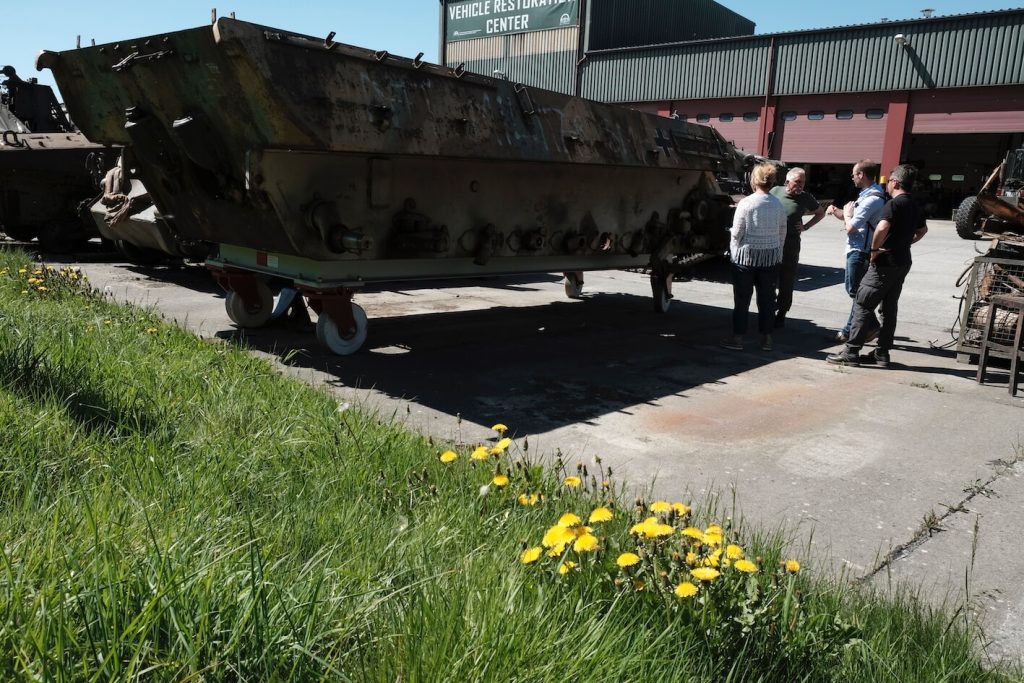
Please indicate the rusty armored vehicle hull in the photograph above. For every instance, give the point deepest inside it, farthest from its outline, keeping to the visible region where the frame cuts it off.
(328, 166)
(46, 168)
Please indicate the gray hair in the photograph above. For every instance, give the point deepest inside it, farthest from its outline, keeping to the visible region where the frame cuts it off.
(905, 175)
(795, 173)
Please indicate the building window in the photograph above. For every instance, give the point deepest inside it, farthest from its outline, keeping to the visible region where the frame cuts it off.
(957, 178)
(725, 118)
(874, 113)
(750, 116)
(844, 114)
(935, 176)
(703, 118)
(789, 116)
(815, 115)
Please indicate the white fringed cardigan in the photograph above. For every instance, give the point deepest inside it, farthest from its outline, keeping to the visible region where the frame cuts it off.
(758, 231)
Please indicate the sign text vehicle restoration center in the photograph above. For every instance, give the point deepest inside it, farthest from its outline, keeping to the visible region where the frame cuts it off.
(482, 18)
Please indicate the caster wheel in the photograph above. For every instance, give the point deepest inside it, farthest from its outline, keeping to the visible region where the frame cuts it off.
(573, 286)
(253, 314)
(662, 296)
(283, 301)
(342, 344)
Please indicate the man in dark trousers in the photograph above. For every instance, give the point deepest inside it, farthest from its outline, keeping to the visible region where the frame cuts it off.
(902, 223)
(797, 204)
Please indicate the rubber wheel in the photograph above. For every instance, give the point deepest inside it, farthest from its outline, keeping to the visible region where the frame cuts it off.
(573, 286)
(139, 256)
(662, 299)
(966, 218)
(251, 314)
(282, 302)
(20, 233)
(343, 345)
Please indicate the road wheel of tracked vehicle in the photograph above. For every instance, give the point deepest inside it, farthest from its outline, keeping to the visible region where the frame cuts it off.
(21, 233)
(253, 313)
(662, 295)
(966, 218)
(343, 344)
(573, 285)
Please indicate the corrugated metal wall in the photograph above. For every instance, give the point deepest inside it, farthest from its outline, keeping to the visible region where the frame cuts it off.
(696, 71)
(627, 23)
(542, 59)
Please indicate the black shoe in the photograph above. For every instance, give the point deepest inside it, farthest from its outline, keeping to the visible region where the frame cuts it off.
(880, 358)
(780, 320)
(843, 358)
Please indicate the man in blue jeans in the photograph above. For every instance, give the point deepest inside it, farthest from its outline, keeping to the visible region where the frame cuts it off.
(902, 224)
(860, 217)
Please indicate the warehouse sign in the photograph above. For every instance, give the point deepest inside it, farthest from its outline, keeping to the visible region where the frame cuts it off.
(468, 19)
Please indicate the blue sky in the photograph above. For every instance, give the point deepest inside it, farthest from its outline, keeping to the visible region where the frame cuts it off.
(402, 27)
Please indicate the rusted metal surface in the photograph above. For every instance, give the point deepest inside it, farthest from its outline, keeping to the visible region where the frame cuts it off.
(260, 138)
(998, 207)
(45, 167)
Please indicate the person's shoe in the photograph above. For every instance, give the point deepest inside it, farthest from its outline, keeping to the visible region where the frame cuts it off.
(766, 342)
(843, 358)
(880, 358)
(780, 320)
(837, 338)
(735, 343)
(872, 335)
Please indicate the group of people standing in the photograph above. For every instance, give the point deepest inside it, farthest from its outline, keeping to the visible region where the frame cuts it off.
(881, 224)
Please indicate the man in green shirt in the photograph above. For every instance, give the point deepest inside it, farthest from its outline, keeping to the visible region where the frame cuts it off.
(797, 204)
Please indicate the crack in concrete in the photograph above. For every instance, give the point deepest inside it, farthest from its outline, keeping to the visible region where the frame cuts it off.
(933, 524)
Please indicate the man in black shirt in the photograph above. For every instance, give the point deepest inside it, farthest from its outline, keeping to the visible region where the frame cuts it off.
(902, 223)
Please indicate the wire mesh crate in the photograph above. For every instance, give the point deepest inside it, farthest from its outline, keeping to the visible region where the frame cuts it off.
(989, 276)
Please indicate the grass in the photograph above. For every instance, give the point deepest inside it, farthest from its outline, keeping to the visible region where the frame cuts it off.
(176, 510)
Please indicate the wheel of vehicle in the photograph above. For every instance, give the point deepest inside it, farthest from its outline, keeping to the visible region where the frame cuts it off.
(966, 218)
(573, 286)
(662, 297)
(253, 313)
(282, 302)
(342, 344)
(21, 233)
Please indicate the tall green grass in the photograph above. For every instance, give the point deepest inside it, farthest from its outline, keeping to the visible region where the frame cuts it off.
(176, 510)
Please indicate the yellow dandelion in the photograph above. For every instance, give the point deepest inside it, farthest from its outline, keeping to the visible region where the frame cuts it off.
(566, 567)
(500, 428)
(792, 566)
(557, 536)
(746, 566)
(449, 456)
(43, 288)
(714, 529)
(681, 509)
(660, 507)
(501, 446)
(24, 291)
(500, 480)
(694, 533)
(713, 539)
(152, 330)
(714, 559)
(573, 482)
(569, 520)
(33, 281)
(606, 484)
(108, 322)
(734, 552)
(22, 270)
(600, 515)
(686, 590)
(556, 550)
(480, 453)
(627, 560)
(531, 555)
(691, 558)
(705, 573)
(586, 543)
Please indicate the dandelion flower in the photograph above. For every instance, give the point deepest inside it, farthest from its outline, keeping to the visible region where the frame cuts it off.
(501, 446)
(691, 558)
(600, 515)
(713, 539)
(734, 552)
(500, 480)
(586, 543)
(792, 566)
(714, 529)
(566, 567)
(43, 288)
(573, 482)
(694, 533)
(681, 509)
(557, 535)
(152, 330)
(746, 566)
(705, 573)
(685, 590)
(569, 520)
(660, 507)
(500, 428)
(480, 453)
(531, 499)
(627, 560)
(531, 555)
(556, 550)
(714, 559)
(22, 270)
(449, 456)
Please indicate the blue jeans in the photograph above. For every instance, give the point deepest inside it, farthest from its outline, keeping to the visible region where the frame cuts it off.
(856, 265)
(745, 279)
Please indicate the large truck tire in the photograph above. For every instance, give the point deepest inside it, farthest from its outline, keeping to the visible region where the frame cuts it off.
(966, 218)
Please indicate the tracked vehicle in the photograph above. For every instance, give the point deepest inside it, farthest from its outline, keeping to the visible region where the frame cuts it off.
(329, 166)
(48, 170)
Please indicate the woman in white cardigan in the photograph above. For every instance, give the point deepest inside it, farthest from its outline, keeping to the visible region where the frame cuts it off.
(758, 233)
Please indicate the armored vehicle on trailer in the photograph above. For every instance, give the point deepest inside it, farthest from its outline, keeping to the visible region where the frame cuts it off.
(47, 168)
(328, 166)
